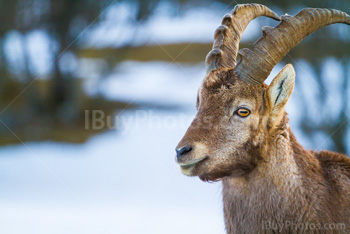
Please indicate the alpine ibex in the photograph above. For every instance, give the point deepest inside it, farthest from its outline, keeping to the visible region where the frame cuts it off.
(240, 134)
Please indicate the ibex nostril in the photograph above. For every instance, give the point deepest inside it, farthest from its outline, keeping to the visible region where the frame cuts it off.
(183, 151)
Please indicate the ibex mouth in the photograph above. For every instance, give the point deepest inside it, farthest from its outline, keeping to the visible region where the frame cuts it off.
(189, 165)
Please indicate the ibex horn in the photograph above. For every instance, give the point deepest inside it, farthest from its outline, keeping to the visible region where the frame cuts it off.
(256, 64)
(228, 35)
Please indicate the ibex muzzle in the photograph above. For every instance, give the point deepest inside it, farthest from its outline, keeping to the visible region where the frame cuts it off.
(241, 134)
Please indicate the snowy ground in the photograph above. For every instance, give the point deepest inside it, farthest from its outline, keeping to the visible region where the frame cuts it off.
(115, 183)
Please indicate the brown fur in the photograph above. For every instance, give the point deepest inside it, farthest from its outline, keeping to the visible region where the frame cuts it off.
(267, 176)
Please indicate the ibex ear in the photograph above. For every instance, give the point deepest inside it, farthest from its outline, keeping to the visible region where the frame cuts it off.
(280, 90)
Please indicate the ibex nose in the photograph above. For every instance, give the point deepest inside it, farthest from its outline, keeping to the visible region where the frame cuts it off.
(182, 151)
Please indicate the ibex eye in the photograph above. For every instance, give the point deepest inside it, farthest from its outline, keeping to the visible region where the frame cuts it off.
(242, 112)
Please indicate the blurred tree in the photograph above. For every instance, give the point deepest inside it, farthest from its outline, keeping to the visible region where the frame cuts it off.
(25, 101)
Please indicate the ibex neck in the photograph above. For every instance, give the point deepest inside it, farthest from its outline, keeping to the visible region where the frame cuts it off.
(274, 191)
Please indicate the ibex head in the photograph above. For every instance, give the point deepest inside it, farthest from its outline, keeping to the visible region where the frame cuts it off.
(237, 113)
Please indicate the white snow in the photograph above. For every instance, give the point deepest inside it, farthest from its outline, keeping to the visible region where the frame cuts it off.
(118, 182)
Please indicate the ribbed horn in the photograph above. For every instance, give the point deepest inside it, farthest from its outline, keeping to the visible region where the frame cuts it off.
(228, 35)
(256, 64)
